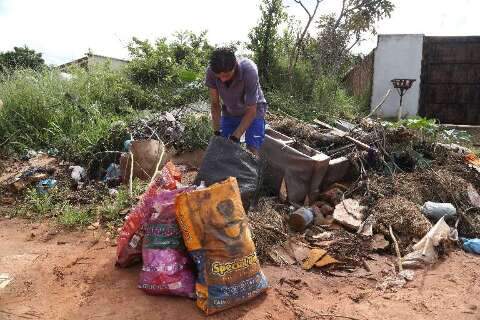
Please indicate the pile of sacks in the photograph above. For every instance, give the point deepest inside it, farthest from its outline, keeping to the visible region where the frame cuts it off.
(194, 242)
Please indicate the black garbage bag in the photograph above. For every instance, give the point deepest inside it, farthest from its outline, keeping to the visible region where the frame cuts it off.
(224, 159)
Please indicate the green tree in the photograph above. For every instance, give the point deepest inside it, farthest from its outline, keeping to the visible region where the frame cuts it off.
(264, 39)
(338, 34)
(303, 36)
(171, 71)
(21, 58)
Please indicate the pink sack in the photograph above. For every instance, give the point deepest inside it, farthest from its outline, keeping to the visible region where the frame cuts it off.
(167, 268)
(130, 239)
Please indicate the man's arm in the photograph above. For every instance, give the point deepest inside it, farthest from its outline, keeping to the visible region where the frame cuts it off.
(215, 109)
(247, 120)
(251, 95)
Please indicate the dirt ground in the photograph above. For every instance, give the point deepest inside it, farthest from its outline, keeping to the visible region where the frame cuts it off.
(71, 275)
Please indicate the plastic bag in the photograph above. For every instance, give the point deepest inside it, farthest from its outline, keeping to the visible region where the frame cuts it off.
(130, 238)
(216, 233)
(471, 245)
(424, 251)
(437, 210)
(167, 268)
(224, 159)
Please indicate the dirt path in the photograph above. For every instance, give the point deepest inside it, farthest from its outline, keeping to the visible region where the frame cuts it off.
(70, 275)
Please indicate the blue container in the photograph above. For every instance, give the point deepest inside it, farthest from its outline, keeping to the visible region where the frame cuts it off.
(43, 186)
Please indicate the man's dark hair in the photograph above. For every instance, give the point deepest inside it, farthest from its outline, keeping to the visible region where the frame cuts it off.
(223, 60)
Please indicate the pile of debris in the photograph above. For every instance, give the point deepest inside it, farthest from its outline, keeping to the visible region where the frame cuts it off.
(268, 223)
(325, 196)
(159, 126)
(395, 188)
(44, 174)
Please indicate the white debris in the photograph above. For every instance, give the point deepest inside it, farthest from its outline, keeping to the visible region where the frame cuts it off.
(349, 213)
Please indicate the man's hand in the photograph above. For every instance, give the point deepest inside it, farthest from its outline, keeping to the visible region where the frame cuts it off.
(234, 139)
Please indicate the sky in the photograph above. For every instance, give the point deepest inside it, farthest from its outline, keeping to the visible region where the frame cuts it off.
(64, 30)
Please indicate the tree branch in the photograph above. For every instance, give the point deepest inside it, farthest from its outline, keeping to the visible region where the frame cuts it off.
(304, 8)
(340, 16)
(354, 44)
(296, 51)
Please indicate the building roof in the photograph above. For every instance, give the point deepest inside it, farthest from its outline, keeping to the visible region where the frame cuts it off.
(85, 60)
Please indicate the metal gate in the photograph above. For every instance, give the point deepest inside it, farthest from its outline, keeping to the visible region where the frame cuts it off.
(450, 86)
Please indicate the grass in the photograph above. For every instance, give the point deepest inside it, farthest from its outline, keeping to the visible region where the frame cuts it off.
(42, 111)
(109, 210)
(39, 204)
(71, 215)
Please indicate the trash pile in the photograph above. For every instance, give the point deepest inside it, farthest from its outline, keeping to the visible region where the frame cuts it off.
(370, 188)
(159, 126)
(320, 197)
(194, 240)
(44, 173)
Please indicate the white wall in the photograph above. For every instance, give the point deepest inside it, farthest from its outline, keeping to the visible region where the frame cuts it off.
(115, 64)
(397, 56)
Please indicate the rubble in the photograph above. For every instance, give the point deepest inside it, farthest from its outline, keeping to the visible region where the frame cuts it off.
(159, 126)
(349, 213)
(403, 216)
(268, 225)
(379, 242)
(326, 260)
(379, 188)
(435, 210)
(332, 196)
(473, 196)
(313, 256)
(349, 248)
(5, 280)
(305, 133)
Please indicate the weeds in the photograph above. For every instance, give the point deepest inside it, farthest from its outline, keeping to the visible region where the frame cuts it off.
(197, 133)
(71, 216)
(42, 111)
(329, 102)
(429, 130)
(39, 204)
(109, 210)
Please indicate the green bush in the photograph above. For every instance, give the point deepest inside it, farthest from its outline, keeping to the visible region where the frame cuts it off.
(173, 72)
(198, 131)
(329, 101)
(42, 110)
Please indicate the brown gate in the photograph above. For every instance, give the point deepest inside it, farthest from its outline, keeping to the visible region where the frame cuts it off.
(450, 87)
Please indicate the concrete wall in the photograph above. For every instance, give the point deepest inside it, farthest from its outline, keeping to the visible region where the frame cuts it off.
(115, 64)
(397, 56)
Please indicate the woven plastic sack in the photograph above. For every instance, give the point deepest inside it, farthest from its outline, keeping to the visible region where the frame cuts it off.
(216, 233)
(167, 268)
(130, 238)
